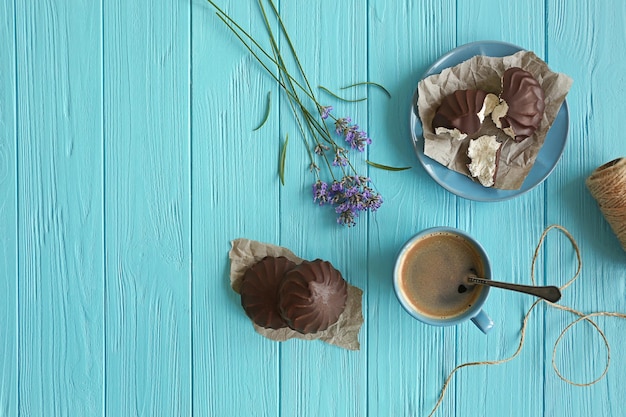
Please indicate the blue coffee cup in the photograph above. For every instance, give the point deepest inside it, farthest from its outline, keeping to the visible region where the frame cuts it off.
(435, 294)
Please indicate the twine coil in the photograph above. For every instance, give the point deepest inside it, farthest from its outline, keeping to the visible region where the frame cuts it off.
(607, 185)
(582, 317)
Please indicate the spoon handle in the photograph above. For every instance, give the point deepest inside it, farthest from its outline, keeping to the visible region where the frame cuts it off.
(550, 293)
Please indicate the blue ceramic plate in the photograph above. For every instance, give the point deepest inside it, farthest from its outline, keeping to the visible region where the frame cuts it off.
(460, 184)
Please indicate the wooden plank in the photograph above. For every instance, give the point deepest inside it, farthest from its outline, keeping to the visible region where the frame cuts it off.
(584, 40)
(59, 168)
(147, 208)
(509, 231)
(318, 379)
(235, 193)
(8, 215)
(408, 359)
(522, 24)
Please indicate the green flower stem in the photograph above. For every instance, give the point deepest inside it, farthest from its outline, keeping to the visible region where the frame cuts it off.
(386, 167)
(358, 195)
(294, 98)
(320, 128)
(289, 93)
(295, 55)
(282, 70)
(267, 112)
(341, 98)
(335, 147)
(301, 128)
(259, 60)
(368, 83)
(286, 81)
(234, 26)
(279, 58)
(281, 161)
(313, 125)
(293, 50)
(321, 131)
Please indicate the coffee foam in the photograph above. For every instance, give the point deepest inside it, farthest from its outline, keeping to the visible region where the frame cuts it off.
(431, 270)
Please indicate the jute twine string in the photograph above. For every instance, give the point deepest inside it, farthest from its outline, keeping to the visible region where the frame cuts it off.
(607, 185)
(581, 317)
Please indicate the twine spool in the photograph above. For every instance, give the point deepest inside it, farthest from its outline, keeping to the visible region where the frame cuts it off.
(608, 187)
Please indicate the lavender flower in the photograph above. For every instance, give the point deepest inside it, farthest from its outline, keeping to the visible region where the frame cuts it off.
(336, 187)
(341, 125)
(320, 149)
(326, 111)
(347, 216)
(320, 192)
(355, 137)
(358, 140)
(374, 202)
(340, 158)
(350, 196)
(336, 191)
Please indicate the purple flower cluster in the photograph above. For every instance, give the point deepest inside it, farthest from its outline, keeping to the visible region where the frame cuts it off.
(320, 149)
(325, 110)
(355, 137)
(340, 158)
(350, 196)
(320, 192)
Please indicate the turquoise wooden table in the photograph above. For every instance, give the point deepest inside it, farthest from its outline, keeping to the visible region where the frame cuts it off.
(128, 163)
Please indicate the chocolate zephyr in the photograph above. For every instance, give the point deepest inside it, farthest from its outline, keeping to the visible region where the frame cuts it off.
(259, 291)
(312, 296)
(521, 110)
(463, 110)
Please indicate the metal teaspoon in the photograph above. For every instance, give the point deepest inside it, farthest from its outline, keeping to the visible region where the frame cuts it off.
(549, 293)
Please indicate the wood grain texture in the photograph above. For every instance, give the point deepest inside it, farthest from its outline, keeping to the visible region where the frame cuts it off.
(147, 209)
(408, 359)
(128, 163)
(584, 40)
(60, 198)
(317, 379)
(236, 193)
(518, 222)
(8, 216)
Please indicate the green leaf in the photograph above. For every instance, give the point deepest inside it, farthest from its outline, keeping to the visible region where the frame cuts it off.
(267, 111)
(386, 167)
(281, 161)
(341, 98)
(368, 83)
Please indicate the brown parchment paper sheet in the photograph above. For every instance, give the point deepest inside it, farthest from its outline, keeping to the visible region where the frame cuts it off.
(344, 333)
(485, 73)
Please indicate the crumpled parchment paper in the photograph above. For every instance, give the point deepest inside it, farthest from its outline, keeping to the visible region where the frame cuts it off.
(344, 333)
(485, 73)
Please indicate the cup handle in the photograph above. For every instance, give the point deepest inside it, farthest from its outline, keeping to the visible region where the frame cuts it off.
(483, 321)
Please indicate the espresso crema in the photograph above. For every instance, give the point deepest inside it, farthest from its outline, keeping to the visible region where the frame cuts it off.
(431, 271)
